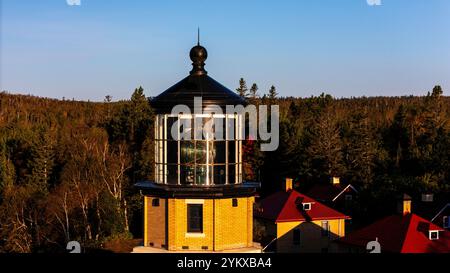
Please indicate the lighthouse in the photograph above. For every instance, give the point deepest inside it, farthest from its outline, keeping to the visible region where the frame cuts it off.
(198, 201)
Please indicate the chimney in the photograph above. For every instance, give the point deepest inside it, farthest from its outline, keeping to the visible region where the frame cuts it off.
(335, 180)
(404, 204)
(287, 185)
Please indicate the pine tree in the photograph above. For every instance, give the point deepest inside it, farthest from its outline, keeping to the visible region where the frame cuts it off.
(242, 90)
(254, 91)
(272, 93)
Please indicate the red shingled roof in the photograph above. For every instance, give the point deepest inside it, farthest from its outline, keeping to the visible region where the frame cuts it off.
(284, 207)
(401, 234)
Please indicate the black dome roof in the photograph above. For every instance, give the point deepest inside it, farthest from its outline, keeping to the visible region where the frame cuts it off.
(197, 84)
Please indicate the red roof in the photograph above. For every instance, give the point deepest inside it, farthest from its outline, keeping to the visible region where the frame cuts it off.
(283, 207)
(401, 234)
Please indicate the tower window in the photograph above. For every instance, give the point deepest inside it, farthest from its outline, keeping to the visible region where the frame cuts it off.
(235, 203)
(155, 202)
(195, 218)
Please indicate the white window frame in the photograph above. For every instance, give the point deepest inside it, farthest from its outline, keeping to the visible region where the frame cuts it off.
(431, 232)
(305, 205)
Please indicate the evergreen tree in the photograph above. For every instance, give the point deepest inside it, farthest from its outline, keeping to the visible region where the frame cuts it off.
(272, 94)
(254, 91)
(242, 90)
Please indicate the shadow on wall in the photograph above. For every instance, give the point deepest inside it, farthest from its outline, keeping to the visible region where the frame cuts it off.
(304, 237)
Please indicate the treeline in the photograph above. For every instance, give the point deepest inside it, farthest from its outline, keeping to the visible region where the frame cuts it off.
(67, 168)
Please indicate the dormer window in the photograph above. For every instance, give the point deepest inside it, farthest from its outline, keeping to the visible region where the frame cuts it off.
(434, 235)
(306, 206)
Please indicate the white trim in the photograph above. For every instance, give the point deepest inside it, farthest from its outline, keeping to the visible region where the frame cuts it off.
(433, 232)
(441, 211)
(349, 186)
(308, 204)
(195, 235)
(195, 201)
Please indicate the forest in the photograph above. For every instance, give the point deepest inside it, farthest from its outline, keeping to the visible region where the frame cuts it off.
(67, 168)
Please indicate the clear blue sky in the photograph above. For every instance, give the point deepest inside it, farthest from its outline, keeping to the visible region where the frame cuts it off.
(342, 47)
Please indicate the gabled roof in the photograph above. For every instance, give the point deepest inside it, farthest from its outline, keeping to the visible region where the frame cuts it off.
(401, 234)
(329, 192)
(286, 207)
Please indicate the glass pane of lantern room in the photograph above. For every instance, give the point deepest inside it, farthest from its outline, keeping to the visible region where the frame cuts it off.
(219, 175)
(219, 128)
(231, 152)
(187, 175)
(200, 152)
(172, 152)
(170, 122)
(187, 152)
(231, 174)
(219, 152)
(230, 133)
(201, 175)
(172, 174)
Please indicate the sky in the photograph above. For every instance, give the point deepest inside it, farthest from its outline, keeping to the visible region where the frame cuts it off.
(346, 48)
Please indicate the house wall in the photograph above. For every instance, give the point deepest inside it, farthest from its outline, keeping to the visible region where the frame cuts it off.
(224, 226)
(311, 239)
(154, 223)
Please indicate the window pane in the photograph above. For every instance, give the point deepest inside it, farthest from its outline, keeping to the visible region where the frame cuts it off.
(219, 175)
(195, 218)
(159, 173)
(200, 175)
(219, 152)
(231, 152)
(186, 132)
(170, 122)
(172, 152)
(187, 152)
(172, 174)
(187, 175)
(231, 174)
(219, 128)
(200, 152)
(231, 129)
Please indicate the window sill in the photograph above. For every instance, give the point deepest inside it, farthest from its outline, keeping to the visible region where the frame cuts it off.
(195, 235)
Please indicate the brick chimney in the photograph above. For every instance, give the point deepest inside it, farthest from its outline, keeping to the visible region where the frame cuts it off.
(404, 204)
(287, 186)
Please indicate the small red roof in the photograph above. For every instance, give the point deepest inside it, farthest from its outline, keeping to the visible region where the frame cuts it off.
(401, 234)
(286, 207)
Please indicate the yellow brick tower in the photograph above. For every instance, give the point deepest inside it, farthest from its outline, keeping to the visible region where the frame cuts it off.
(198, 200)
